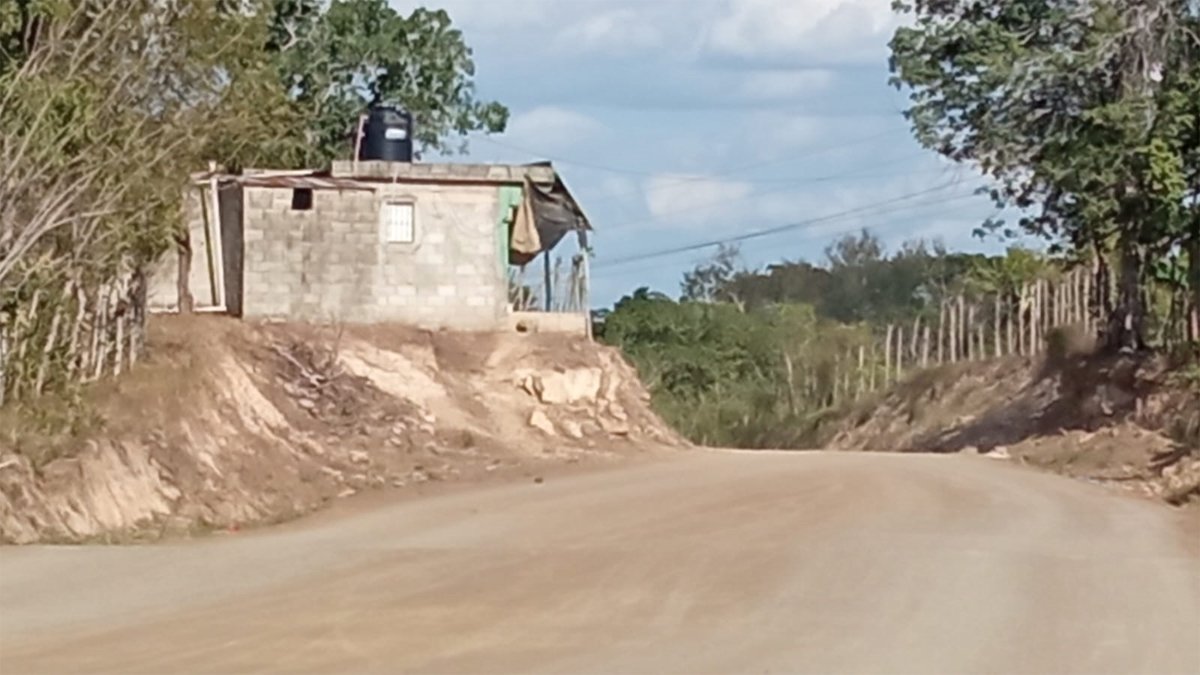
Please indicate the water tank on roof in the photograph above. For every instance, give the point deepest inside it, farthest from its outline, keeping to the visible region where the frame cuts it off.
(387, 135)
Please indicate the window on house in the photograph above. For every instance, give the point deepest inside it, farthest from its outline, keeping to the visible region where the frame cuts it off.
(302, 199)
(396, 219)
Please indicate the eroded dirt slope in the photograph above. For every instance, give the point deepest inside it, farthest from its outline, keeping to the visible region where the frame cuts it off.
(229, 424)
(1128, 421)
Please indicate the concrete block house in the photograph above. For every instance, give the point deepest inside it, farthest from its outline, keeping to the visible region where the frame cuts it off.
(431, 245)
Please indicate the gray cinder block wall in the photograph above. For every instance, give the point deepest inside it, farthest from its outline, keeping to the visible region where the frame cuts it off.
(332, 263)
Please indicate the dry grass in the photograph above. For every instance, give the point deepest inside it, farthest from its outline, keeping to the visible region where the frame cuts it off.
(154, 390)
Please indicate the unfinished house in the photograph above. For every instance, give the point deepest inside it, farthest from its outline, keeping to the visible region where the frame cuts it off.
(456, 246)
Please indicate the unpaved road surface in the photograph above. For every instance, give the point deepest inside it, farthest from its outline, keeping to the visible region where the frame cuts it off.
(714, 562)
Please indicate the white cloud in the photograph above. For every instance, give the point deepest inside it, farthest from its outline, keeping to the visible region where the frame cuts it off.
(616, 31)
(827, 31)
(486, 14)
(777, 85)
(551, 127)
(676, 199)
(772, 134)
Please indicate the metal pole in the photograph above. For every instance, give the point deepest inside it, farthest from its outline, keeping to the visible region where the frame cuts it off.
(546, 260)
(586, 292)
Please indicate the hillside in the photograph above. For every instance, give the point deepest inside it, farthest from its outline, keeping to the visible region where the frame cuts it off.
(1124, 421)
(228, 424)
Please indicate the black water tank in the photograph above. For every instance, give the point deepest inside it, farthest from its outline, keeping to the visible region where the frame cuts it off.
(387, 135)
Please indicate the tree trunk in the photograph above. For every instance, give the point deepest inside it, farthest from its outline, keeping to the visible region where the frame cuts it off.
(925, 348)
(1127, 320)
(1087, 303)
(1101, 304)
(182, 288)
(1193, 320)
(51, 343)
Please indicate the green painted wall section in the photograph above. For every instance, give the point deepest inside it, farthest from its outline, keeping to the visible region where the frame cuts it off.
(509, 197)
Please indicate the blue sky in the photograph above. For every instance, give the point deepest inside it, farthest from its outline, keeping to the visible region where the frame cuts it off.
(683, 121)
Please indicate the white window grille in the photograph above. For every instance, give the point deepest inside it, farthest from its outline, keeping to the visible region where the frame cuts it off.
(396, 219)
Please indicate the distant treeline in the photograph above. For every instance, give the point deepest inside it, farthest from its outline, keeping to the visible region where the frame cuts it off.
(752, 358)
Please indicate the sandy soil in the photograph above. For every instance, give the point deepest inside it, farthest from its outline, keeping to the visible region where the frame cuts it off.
(709, 562)
(228, 425)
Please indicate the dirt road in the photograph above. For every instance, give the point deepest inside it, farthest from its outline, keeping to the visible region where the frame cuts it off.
(716, 562)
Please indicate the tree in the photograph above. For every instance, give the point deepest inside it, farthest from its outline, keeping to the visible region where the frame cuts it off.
(336, 60)
(710, 282)
(106, 107)
(1075, 109)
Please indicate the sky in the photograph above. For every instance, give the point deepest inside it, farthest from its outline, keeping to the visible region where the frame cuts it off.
(680, 122)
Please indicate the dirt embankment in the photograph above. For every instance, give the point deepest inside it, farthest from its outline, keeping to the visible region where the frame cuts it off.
(1132, 422)
(228, 424)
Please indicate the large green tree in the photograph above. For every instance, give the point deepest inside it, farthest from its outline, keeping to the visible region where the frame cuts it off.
(1083, 113)
(335, 58)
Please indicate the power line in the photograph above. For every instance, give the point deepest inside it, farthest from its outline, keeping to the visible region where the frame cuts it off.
(779, 228)
(793, 185)
(684, 179)
(836, 232)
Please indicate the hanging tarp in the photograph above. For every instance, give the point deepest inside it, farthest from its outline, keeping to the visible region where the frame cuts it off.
(546, 214)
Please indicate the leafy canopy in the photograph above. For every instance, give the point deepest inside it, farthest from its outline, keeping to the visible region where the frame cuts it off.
(1083, 112)
(335, 60)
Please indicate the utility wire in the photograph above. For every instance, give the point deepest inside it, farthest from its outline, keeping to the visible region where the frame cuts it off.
(912, 209)
(684, 179)
(779, 189)
(779, 228)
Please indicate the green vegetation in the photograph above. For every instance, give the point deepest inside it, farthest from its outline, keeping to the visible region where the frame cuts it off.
(755, 358)
(1087, 115)
(758, 358)
(1084, 115)
(333, 59)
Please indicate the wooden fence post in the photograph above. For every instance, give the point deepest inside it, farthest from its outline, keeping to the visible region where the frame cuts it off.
(964, 329)
(1021, 329)
(874, 367)
(941, 335)
(996, 337)
(887, 355)
(914, 341)
(1031, 346)
(1009, 324)
(952, 343)
(969, 333)
(862, 373)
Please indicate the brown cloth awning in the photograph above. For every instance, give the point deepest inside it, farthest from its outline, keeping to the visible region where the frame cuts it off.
(546, 214)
